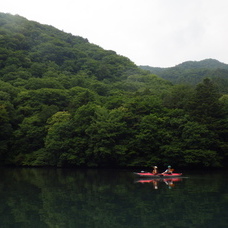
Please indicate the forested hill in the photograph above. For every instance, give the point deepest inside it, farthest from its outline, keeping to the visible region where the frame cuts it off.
(67, 102)
(25, 42)
(193, 72)
(203, 64)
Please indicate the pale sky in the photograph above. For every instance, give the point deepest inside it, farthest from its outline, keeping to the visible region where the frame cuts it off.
(158, 33)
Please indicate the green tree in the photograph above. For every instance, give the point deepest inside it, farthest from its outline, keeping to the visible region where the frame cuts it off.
(39, 83)
(5, 133)
(178, 97)
(80, 96)
(148, 140)
(28, 137)
(199, 145)
(106, 137)
(57, 139)
(188, 143)
(205, 106)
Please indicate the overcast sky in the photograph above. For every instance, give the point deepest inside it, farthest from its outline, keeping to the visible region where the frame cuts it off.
(159, 33)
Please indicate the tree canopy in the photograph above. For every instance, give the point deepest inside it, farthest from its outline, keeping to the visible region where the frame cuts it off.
(66, 102)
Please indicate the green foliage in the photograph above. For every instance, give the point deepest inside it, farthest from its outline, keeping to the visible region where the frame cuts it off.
(193, 73)
(57, 132)
(224, 101)
(198, 157)
(6, 132)
(66, 102)
(80, 96)
(178, 96)
(205, 106)
(106, 136)
(150, 134)
(29, 101)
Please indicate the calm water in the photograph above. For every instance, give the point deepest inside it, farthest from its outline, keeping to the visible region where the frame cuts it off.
(108, 198)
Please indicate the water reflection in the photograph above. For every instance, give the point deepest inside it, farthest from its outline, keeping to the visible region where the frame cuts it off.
(109, 198)
(170, 182)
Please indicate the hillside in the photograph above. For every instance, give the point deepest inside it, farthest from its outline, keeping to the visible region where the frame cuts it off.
(25, 43)
(193, 72)
(66, 102)
(203, 64)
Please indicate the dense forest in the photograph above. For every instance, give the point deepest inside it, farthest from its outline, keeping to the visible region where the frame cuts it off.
(66, 102)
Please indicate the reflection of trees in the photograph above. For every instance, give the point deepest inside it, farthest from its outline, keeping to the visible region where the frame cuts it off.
(20, 202)
(93, 198)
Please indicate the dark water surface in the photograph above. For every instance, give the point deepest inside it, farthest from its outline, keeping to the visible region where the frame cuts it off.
(110, 198)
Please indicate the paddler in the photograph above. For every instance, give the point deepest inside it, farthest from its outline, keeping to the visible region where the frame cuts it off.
(155, 170)
(168, 171)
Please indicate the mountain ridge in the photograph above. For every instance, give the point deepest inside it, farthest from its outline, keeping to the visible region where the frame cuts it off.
(205, 63)
(193, 72)
(191, 64)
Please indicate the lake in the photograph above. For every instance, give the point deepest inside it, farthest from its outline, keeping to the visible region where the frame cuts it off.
(84, 198)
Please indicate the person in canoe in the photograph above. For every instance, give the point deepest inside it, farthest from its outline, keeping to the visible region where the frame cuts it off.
(155, 170)
(168, 171)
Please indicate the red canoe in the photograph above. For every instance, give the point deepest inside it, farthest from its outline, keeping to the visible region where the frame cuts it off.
(159, 180)
(151, 175)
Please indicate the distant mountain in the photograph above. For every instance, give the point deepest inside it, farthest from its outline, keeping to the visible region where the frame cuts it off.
(193, 72)
(203, 64)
